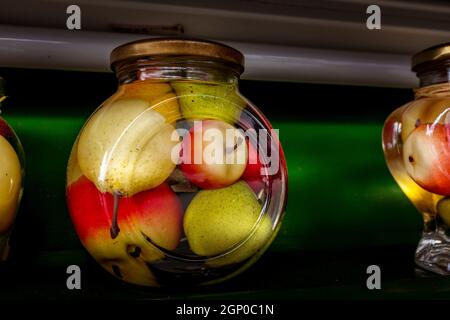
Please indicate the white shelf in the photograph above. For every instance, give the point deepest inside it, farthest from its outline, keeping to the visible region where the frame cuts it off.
(312, 41)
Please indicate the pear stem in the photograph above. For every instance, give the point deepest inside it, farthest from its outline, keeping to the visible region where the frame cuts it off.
(115, 230)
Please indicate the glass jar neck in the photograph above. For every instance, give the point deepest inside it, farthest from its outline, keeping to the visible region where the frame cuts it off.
(434, 90)
(178, 68)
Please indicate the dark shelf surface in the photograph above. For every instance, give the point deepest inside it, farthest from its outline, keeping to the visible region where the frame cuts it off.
(277, 276)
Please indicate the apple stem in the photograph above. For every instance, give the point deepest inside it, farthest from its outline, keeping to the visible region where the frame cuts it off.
(115, 225)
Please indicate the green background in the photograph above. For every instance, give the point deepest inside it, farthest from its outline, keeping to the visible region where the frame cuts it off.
(344, 211)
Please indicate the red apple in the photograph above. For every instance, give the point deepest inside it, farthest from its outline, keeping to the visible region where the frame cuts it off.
(253, 175)
(426, 156)
(214, 154)
(261, 168)
(90, 210)
(154, 215)
(157, 213)
(5, 129)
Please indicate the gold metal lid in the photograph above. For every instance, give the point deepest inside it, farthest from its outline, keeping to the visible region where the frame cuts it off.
(435, 53)
(177, 47)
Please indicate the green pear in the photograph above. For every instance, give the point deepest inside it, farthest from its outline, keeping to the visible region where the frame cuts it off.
(126, 147)
(209, 101)
(226, 223)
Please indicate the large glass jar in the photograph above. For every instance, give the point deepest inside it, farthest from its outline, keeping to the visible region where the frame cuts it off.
(11, 177)
(176, 179)
(416, 142)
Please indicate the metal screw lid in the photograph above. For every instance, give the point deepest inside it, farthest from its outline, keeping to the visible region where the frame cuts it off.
(433, 54)
(177, 47)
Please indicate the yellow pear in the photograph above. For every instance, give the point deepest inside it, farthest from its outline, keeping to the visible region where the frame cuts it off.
(159, 95)
(73, 172)
(216, 220)
(125, 147)
(126, 257)
(10, 184)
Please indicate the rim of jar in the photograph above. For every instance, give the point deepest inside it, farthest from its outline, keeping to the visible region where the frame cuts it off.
(155, 48)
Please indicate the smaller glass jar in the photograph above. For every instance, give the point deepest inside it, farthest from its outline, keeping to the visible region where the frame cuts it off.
(11, 177)
(176, 179)
(416, 143)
